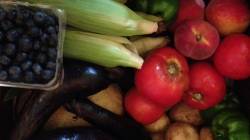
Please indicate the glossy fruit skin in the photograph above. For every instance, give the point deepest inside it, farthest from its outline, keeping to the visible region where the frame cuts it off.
(196, 39)
(232, 58)
(155, 81)
(228, 16)
(207, 87)
(141, 109)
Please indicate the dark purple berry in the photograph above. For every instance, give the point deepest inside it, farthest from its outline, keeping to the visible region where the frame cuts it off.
(44, 38)
(51, 65)
(2, 14)
(51, 30)
(11, 15)
(39, 17)
(47, 74)
(25, 43)
(50, 21)
(26, 65)
(21, 57)
(34, 31)
(36, 45)
(1, 36)
(29, 23)
(15, 72)
(6, 25)
(12, 35)
(52, 53)
(41, 58)
(4, 60)
(53, 40)
(44, 49)
(29, 76)
(10, 49)
(3, 75)
(37, 68)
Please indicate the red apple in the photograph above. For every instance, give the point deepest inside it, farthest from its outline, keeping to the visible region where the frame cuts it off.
(196, 39)
(228, 16)
(232, 58)
(188, 9)
(141, 109)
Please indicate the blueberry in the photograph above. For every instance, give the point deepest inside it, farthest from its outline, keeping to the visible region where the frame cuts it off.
(15, 72)
(11, 15)
(52, 53)
(29, 23)
(44, 49)
(6, 25)
(25, 43)
(5, 60)
(37, 68)
(26, 65)
(2, 13)
(41, 58)
(34, 31)
(39, 17)
(12, 35)
(47, 74)
(10, 49)
(36, 45)
(32, 55)
(51, 65)
(53, 40)
(21, 57)
(51, 30)
(44, 38)
(1, 36)
(50, 21)
(29, 76)
(3, 75)
(26, 13)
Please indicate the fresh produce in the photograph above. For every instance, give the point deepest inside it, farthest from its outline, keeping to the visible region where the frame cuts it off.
(228, 16)
(164, 8)
(88, 133)
(232, 57)
(102, 16)
(196, 39)
(28, 52)
(183, 113)
(231, 125)
(158, 126)
(142, 109)
(158, 136)
(119, 126)
(188, 9)
(164, 70)
(206, 134)
(181, 131)
(93, 48)
(207, 87)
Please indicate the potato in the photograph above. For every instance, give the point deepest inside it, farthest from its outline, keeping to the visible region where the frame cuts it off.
(181, 131)
(183, 113)
(157, 136)
(206, 134)
(110, 99)
(158, 126)
(64, 119)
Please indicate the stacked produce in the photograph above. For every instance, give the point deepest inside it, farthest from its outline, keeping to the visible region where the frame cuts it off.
(133, 69)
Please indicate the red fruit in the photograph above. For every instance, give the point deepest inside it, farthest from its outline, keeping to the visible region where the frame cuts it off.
(141, 109)
(196, 39)
(232, 58)
(189, 9)
(207, 87)
(228, 16)
(163, 77)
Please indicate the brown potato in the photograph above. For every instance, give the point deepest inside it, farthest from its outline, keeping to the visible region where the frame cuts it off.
(158, 126)
(183, 113)
(181, 131)
(64, 119)
(110, 99)
(157, 136)
(206, 134)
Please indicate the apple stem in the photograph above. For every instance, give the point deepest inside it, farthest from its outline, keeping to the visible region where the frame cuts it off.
(198, 37)
(173, 69)
(197, 96)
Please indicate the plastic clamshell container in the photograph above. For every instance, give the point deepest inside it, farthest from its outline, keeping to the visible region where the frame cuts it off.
(58, 76)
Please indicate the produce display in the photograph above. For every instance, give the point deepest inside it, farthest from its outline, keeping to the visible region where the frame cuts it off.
(125, 70)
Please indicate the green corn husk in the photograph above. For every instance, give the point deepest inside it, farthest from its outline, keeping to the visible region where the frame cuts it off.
(102, 51)
(102, 16)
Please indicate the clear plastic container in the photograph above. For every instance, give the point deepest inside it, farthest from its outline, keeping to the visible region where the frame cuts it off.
(58, 75)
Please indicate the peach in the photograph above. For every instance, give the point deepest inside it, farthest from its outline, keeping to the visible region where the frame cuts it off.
(188, 9)
(228, 16)
(196, 39)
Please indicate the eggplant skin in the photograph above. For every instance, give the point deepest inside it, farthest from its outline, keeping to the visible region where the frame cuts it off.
(74, 134)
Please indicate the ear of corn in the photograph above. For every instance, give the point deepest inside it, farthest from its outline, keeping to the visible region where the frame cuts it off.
(102, 16)
(98, 50)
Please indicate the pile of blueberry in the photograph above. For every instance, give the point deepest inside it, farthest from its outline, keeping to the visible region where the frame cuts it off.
(28, 44)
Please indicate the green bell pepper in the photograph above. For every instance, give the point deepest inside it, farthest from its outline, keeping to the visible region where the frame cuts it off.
(167, 9)
(231, 125)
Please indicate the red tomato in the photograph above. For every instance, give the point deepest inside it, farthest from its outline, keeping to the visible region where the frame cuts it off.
(163, 77)
(141, 109)
(232, 58)
(207, 87)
